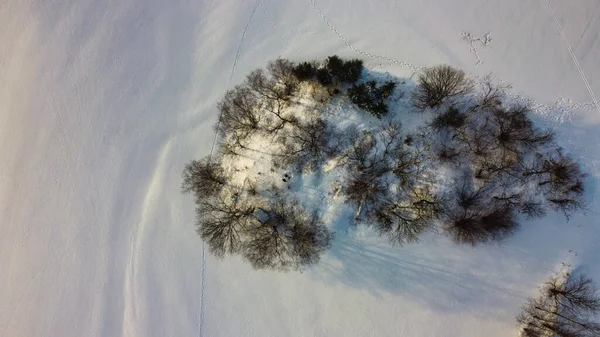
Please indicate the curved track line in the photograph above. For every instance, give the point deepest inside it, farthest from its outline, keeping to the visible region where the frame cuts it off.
(359, 51)
(233, 68)
(575, 61)
(130, 290)
(239, 49)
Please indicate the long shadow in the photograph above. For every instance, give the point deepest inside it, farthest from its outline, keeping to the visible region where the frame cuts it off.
(440, 285)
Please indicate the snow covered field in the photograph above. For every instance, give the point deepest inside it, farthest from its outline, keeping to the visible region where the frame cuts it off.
(102, 104)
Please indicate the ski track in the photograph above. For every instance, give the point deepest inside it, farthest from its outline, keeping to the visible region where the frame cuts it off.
(573, 57)
(212, 148)
(130, 294)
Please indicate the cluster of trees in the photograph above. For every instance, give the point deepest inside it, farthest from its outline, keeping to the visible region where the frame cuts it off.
(388, 184)
(568, 306)
(270, 229)
(502, 164)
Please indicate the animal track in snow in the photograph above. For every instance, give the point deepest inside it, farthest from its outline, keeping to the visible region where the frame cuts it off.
(484, 41)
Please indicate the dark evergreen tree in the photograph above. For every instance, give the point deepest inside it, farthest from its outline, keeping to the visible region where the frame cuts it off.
(304, 71)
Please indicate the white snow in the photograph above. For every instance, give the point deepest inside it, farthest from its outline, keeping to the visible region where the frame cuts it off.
(103, 103)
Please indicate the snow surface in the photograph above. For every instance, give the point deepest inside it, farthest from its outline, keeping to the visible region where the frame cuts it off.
(103, 103)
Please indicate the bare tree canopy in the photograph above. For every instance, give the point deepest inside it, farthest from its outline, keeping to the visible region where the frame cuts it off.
(204, 177)
(307, 145)
(283, 236)
(439, 83)
(473, 219)
(568, 306)
(222, 221)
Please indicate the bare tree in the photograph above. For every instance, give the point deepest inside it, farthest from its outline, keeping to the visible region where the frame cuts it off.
(501, 139)
(239, 112)
(473, 219)
(267, 87)
(283, 236)
(307, 145)
(408, 162)
(490, 94)
(282, 71)
(221, 221)
(560, 179)
(366, 191)
(274, 97)
(369, 162)
(438, 83)
(515, 132)
(567, 307)
(519, 201)
(407, 215)
(204, 177)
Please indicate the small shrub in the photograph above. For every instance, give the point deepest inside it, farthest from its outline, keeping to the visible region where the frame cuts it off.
(438, 83)
(514, 131)
(452, 119)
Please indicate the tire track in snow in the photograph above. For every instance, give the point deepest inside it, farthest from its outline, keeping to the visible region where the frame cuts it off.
(573, 57)
(212, 148)
(404, 64)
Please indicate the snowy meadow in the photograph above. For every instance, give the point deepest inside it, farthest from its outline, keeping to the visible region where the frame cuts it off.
(104, 104)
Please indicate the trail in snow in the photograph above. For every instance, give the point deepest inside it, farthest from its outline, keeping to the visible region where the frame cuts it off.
(575, 61)
(559, 110)
(359, 51)
(237, 52)
(212, 148)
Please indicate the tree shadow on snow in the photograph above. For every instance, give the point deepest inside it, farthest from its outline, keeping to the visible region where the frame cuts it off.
(458, 282)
